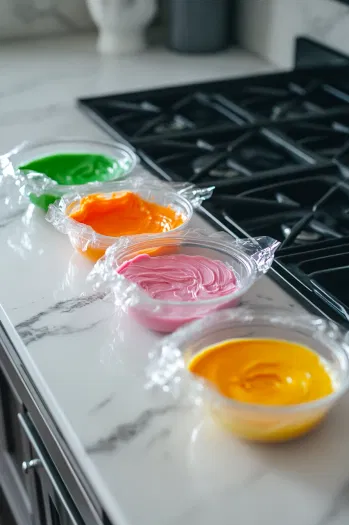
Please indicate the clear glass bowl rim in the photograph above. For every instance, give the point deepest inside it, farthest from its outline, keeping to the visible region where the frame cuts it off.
(214, 244)
(186, 334)
(115, 147)
(106, 240)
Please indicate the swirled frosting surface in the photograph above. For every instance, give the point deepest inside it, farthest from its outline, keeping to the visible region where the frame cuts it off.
(264, 371)
(125, 213)
(180, 277)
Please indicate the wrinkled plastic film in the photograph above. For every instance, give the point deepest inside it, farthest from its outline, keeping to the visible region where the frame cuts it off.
(104, 274)
(104, 277)
(37, 184)
(29, 183)
(167, 367)
(58, 213)
(194, 194)
(105, 270)
(261, 250)
(20, 184)
(146, 181)
(9, 188)
(168, 361)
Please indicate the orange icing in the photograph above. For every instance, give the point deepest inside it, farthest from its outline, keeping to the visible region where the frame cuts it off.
(265, 372)
(118, 214)
(125, 213)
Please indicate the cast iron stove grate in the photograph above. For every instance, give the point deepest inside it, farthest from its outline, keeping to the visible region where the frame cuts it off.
(309, 214)
(147, 116)
(224, 155)
(323, 272)
(311, 205)
(325, 138)
(287, 101)
(275, 146)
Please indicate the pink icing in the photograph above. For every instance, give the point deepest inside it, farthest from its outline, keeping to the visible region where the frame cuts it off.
(180, 277)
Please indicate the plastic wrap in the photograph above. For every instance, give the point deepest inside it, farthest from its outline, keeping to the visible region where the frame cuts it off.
(168, 369)
(181, 197)
(247, 258)
(10, 185)
(21, 184)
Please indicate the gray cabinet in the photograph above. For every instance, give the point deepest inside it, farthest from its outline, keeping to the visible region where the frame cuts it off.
(14, 448)
(53, 502)
(33, 488)
(39, 476)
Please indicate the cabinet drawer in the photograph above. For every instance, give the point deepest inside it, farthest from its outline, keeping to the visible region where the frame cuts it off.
(55, 503)
(42, 425)
(14, 448)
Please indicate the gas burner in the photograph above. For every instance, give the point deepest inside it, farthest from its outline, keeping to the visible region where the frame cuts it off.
(282, 226)
(224, 155)
(294, 100)
(325, 137)
(143, 118)
(303, 210)
(304, 237)
(177, 123)
(222, 172)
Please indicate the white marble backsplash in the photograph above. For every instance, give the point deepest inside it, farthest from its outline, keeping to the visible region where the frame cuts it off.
(21, 19)
(269, 27)
(27, 18)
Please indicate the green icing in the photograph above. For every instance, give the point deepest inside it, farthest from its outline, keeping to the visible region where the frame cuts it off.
(73, 168)
(76, 168)
(43, 201)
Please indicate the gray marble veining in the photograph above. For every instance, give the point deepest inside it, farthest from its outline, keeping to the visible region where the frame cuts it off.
(125, 432)
(150, 461)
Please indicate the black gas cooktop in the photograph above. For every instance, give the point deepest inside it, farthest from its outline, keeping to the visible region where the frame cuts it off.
(276, 147)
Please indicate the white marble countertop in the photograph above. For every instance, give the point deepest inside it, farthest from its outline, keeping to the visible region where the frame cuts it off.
(149, 461)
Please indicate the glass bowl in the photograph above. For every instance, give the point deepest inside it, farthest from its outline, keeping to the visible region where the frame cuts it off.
(43, 190)
(248, 258)
(94, 245)
(257, 422)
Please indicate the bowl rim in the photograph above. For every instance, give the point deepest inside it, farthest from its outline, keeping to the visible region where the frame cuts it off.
(304, 321)
(192, 305)
(113, 146)
(96, 238)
